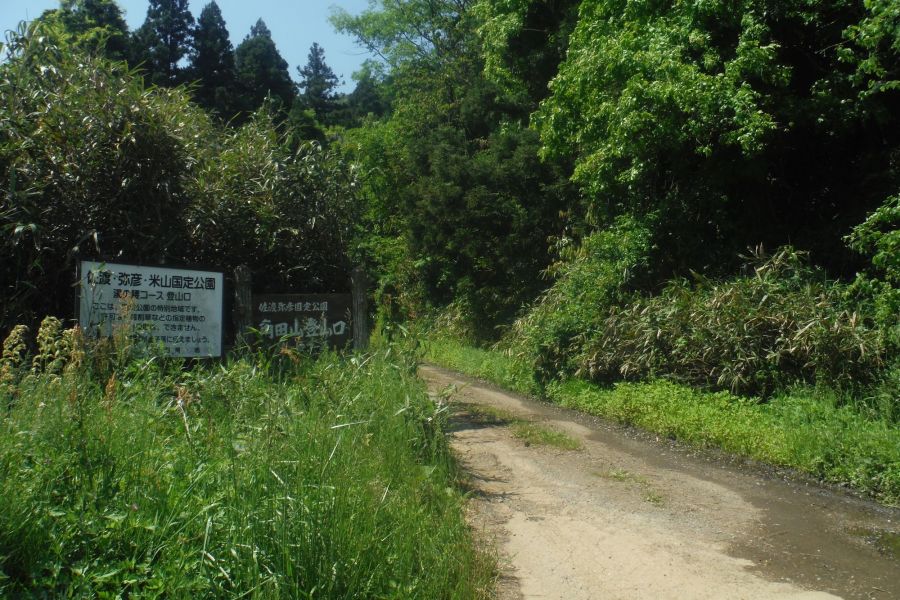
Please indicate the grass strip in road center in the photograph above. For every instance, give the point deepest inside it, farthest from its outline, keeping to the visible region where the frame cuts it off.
(528, 431)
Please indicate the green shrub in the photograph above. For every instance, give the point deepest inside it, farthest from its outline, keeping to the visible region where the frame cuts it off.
(778, 325)
(878, 238)
(287, 214)
(598, 275)
(90, 164)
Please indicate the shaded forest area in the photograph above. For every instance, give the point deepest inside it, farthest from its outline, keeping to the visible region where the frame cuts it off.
(703, 191)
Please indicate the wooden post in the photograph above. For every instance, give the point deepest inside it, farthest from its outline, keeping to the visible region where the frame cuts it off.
(243, 310)
(360, 316)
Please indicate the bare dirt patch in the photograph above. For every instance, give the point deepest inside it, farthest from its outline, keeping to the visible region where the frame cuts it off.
(620, 517)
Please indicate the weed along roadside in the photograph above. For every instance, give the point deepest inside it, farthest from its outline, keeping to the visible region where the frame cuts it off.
(269, 475)
(640, 516)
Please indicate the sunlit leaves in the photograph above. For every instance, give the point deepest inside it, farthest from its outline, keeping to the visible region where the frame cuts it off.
(630, 92)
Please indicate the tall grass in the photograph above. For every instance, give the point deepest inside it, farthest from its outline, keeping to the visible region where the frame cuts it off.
(492, 365)
(261, 478)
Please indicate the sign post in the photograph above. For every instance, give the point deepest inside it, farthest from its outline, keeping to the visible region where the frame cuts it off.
(309, 321)
(360, 283)
(243, 303)
(179, 309)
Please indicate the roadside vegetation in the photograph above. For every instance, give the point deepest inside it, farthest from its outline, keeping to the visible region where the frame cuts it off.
(271, 475)
(97, 165)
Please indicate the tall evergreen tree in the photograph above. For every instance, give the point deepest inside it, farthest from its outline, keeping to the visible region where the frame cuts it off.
(163, 40)
(212, 62)
(317, 84)
(261, 71)
(463, 205)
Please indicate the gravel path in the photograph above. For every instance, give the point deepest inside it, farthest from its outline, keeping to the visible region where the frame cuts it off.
(628, 516)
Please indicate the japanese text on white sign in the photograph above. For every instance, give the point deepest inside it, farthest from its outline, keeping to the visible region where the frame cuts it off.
(180, 309)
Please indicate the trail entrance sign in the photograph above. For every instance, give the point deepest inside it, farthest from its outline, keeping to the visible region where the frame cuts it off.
(309, 320)
(180, 309)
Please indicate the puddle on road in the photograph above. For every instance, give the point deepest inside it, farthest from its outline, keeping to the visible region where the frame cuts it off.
(887, 542)
(809, 535)
(815, 537)
(818, 538)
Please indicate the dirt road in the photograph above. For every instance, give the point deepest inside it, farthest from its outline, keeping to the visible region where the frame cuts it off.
(628, 516)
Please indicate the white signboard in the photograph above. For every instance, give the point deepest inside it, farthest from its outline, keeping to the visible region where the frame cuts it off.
(181, 309)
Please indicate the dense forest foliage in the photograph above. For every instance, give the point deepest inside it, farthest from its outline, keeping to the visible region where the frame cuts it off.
(715, 184)
(707, 191)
